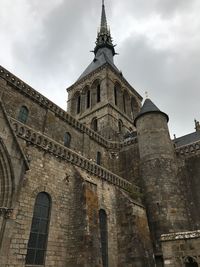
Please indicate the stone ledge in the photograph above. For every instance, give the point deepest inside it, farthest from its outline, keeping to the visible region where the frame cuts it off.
(180, 236)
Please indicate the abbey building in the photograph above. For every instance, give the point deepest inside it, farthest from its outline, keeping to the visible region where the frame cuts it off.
(101, 185)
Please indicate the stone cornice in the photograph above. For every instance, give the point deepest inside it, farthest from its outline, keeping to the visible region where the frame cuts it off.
(189, 150)
(35, 96)
(180, 236)
(59, 151)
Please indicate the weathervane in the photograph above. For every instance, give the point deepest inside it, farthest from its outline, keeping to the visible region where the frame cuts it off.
(146, 94)
(103, 2)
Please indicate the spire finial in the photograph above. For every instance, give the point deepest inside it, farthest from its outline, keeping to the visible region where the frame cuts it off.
(146, 95)
(104, 38)
(103, 16)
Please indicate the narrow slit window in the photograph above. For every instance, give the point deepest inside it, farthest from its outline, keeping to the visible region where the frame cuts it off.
(124, 102)
(98, 93)
(39, 230)
(120, 126)
(104, 236)
(88, 99)
(115, 95)
(99, 158)
(78, 104)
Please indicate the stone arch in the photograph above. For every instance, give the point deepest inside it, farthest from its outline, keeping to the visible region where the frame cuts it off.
(47, 190)
(190, 262)
(7, 187)
(95, 89)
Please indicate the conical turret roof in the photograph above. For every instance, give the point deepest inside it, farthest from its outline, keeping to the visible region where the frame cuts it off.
(149, 107)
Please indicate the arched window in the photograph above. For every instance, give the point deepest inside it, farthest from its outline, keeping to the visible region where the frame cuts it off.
(98, 93)
(94, 124)
(115, 95)
(78, 104)
(99, 158)
(190, 262)
(104, 236)
(39, 230)
(23, 114)
(88, 99)
(67, 139)
(120, 125)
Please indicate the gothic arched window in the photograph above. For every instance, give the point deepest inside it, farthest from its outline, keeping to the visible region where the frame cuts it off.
(99, 158)
(98, 93)
(104, 236)
(39, 230)
(88, 99)
(190, 262)
(94, 124)
(23, 114)
(67, 139)
(78, 104)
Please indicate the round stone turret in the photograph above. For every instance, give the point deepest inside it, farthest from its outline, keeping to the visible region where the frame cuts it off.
(161, 186)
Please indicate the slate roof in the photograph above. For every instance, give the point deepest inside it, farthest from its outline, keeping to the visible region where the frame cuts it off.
(149, 107)
(103, 56)
(187, 139)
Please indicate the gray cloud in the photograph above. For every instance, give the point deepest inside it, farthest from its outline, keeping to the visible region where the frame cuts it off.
(47, 44)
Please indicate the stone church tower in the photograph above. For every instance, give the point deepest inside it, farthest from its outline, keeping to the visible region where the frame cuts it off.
(101, 185)
(102, 98)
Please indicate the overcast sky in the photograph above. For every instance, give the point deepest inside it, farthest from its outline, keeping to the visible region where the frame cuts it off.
(47, 44)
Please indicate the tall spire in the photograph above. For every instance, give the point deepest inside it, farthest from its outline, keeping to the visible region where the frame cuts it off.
(104, 38)
(103, 16)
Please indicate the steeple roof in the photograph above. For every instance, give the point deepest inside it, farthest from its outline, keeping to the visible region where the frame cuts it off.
(149, 107)
(104, 50)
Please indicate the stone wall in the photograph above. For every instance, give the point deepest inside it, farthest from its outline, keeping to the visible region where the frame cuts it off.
(180, 249)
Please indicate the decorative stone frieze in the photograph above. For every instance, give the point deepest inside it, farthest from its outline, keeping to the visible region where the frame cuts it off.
(180, 235)
(5, 212)
(50, 146)
(189, 150)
